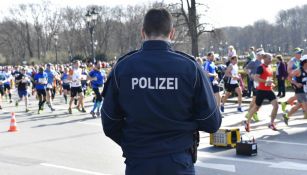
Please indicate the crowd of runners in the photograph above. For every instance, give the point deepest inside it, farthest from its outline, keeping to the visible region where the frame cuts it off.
(74, 81)
(260, 80)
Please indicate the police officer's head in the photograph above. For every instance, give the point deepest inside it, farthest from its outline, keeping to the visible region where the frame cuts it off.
(158, 24)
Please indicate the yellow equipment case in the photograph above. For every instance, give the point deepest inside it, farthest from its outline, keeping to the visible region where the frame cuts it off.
(225, 137)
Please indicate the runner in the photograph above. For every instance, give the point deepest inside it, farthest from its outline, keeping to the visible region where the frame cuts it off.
(293, 64)
(210, 69)
(2, 81)
(232, 73)
(300, 84)
(41, 80)
(96, 78)
(7, 83)
(52, 75)
(65, 83)
(264, 76)
(251, 69)
(76, 88)
(22, 82)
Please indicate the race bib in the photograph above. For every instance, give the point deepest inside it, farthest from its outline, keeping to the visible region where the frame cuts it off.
(83, 77)
(42, 80)
(256, 84)
(76, 83)
(65, 81)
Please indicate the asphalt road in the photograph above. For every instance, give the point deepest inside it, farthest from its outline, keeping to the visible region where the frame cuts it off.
(56, 143)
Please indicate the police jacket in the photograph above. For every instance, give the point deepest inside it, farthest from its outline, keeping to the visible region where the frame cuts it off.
(154, 99)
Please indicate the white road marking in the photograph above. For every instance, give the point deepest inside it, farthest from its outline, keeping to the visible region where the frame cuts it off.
(288, 143)
(223, 167)
(290, 165)
(95, 124)
(281, 165)
(72, 169)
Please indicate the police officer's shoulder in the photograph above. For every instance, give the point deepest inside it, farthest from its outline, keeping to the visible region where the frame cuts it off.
(188, 56)
(126, 56)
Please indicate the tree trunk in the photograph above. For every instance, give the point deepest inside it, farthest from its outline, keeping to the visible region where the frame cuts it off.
(38, 49)
(193, 28)
(29, 41)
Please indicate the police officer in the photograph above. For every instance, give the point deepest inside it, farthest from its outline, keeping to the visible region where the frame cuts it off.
(154, 100)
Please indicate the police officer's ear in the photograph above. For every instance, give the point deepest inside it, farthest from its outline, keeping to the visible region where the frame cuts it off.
(143, 35)
(172, 34)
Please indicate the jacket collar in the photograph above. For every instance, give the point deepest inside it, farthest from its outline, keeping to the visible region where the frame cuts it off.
(156, 45)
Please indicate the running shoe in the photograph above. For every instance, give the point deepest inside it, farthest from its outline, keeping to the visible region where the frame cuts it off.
(83, 110)
(16, 103)
(75, 101)
(255, 117)
(273, 127)
(283, 106)
(286, 118)
(69, 111)
(222, 108)
(239, 109)
(246, 126)
(93, 114)
(98, 114)
(27, 110)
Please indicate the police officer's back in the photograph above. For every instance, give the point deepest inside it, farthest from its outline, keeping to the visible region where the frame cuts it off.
(155, 99)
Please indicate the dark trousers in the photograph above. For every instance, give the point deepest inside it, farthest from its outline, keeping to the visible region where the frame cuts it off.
(250, 84)
(98, 94)
(173, 164)
(281, 86)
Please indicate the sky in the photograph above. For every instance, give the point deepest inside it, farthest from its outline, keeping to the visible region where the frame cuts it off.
(221, 13)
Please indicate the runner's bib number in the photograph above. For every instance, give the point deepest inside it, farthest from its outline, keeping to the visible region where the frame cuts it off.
(42, 80)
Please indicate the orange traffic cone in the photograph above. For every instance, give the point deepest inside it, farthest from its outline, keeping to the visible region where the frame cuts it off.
(13, 126)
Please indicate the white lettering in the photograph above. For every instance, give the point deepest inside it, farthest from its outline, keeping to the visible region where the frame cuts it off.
(142, 83)
(157, 83)
(170, 83)
(162, 83)
(149, 84)
(134, 82)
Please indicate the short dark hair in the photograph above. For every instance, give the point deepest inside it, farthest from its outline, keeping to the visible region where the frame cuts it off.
(233, 57)
(210, 54)
(157, 22)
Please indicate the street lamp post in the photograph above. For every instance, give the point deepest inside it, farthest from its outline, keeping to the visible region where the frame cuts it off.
(91, 19)
(56, 37)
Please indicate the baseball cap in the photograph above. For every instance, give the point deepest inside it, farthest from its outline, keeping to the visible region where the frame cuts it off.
(298, 50)
(260, 51)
